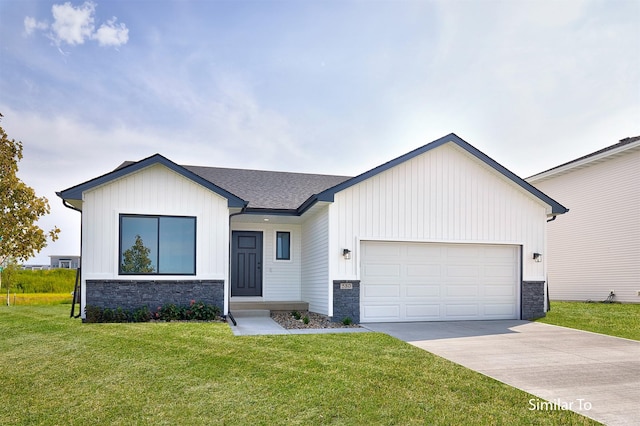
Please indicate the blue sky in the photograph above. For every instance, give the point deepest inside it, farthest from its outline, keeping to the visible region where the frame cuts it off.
(335, 87)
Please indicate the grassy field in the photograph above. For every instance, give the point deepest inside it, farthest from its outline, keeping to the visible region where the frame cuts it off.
(39, 281)
(56, 370)
(38, 298)
(614, 319)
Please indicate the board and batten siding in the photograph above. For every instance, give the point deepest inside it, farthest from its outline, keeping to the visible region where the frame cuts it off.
(280, 278)
(595, 248)
(442, 195)
(155, 190)
(315, 262)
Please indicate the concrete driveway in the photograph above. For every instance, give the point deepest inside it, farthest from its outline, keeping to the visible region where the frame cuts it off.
(592, 374)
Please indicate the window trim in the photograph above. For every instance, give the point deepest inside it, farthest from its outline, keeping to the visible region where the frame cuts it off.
(157, 260)
(282, 259)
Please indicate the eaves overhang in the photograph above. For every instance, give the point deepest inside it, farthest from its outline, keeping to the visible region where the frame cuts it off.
(74, 194)
(556, 208)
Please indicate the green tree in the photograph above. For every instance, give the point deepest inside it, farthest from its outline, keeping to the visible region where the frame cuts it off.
(136, 259)
(20, 209)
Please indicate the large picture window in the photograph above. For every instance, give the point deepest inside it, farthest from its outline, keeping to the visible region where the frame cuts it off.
(157, 245)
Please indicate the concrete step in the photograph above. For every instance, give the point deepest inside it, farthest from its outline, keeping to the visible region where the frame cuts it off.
(250, 313)
(269, 306)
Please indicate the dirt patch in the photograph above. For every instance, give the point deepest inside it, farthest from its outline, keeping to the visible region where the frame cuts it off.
(287, 320)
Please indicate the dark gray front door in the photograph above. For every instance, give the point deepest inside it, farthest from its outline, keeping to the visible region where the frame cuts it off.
(246, 263)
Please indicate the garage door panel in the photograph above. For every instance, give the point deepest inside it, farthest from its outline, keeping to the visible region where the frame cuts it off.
(462, 271)
(382, 290)
(381, 312)
(422, 290)
(499, 311)
(499, 290)
(382, 270)
(456, 291)
(502, 271)
(424, 251)
(417, 270)
(429, 281)
(459, 311)
(422, 311)
(381, 250)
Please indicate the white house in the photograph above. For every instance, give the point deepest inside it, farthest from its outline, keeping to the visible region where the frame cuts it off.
(596, 249)
(440, 233)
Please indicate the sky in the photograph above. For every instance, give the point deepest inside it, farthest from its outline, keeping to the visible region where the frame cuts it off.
(315, 86)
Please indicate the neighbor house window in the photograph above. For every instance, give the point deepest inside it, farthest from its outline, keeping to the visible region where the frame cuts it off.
(157, 245)
(283, 245)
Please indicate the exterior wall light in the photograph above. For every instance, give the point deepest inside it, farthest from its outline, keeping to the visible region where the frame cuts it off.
(537, 257)
(346, 253)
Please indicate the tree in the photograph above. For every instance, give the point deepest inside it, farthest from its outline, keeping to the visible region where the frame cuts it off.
(20, 209)
(136, 258)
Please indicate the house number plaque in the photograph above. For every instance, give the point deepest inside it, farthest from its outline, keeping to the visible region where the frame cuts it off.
(346, 286)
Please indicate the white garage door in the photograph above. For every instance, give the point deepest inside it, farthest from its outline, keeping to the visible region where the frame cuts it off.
(438, 282)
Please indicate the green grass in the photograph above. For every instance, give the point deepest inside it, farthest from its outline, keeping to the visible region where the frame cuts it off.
(614, 319)
(56, 370)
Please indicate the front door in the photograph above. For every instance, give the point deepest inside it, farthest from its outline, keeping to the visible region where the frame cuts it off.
(246, 263)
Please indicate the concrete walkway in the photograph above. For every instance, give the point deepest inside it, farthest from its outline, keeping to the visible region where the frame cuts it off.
(593, 374)
(259, 322)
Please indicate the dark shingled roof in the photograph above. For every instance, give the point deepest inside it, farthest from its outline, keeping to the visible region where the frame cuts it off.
(268, 190)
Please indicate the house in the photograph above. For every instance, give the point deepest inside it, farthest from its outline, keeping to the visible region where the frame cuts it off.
(64, 261)
(441, 233)
(596, 249)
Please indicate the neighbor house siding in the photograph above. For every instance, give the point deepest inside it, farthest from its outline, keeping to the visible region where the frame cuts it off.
(315, 267)
(596, 247)
(154, 190)
(442, 195)
(280, 278)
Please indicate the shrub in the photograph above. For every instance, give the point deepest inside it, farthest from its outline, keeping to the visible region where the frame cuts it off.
(305, 319)
(93, 313)
(199, 311)
(347, 321)
(141, 315)
(169, 312)
(296, 315)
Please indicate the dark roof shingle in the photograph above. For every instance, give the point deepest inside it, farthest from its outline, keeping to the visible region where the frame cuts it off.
(268, 190)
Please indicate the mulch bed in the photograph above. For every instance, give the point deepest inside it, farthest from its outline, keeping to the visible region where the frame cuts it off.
(288, 321)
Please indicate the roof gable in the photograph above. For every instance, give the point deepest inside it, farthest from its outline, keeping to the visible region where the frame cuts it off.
(556, 208)
(75, 192)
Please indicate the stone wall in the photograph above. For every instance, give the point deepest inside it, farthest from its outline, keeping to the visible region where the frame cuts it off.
(533, 300)
(346, 301)
(135, 294)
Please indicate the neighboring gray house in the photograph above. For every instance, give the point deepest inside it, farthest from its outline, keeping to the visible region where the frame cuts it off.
(440, 233)
(64, 261)
(596, 249)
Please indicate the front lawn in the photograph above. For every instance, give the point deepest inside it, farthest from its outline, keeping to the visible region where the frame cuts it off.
(56, 370)
(614, 319)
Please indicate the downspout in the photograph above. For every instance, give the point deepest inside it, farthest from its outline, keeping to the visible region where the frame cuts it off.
(229, 314)
(77, 298)
(553, 218)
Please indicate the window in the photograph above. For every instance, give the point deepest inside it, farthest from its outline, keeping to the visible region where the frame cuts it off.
(283, 245)
(157, 245)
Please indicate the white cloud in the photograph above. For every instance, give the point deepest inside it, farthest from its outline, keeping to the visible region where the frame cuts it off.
(30, 25)
(112, 34)
(74, 25)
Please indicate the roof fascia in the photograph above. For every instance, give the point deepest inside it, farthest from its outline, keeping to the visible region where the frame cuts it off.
(75, 192)
(556, 208)
(583, 162)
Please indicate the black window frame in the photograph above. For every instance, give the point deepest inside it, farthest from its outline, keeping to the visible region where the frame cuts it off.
(288, 234)
(157, 260)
